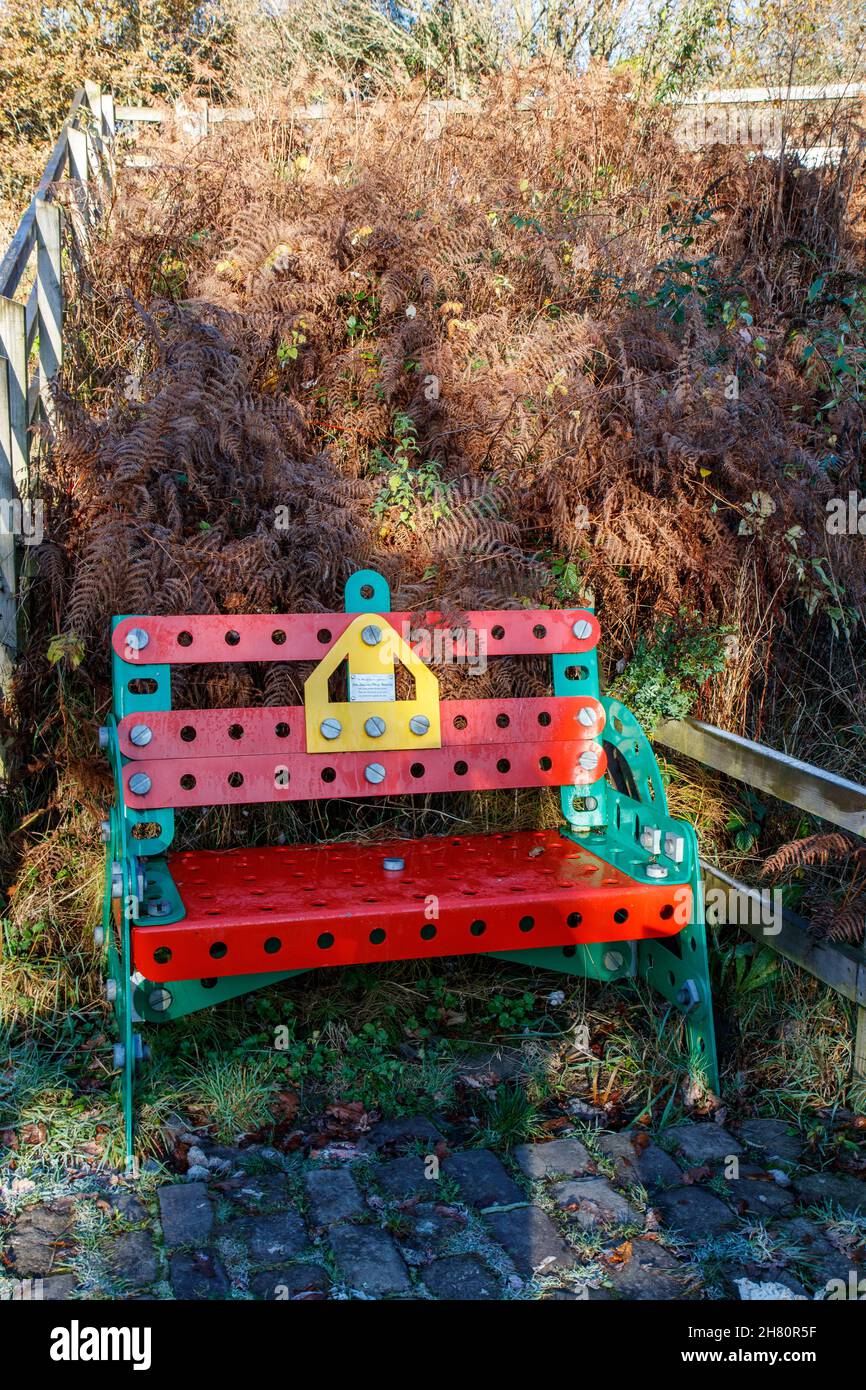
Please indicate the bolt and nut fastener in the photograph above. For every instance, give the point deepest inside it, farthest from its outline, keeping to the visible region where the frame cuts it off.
(103, 736)
(374, 727)
(651, 839)
(140, 735)
(675, 846)
(105, 831)
(99, 935)
(591, 803)
(116, 879)
(371, 634)
(419, 724)
(137, 639)
(330, 728)
(374, 772)
(613, 960)
(140, 784)
(157, 907)
(160, 1000)
(111, 990)
(656, 871)
(581, 629)
(588, 760)
(586, 717)
(688, 996)
(118, 1054)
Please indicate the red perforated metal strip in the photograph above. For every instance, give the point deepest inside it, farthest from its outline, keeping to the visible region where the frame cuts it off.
(299, 777)
(308, 636)
(193, 734)
(300, 907)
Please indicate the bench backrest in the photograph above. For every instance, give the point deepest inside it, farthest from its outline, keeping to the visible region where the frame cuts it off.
(369, 745)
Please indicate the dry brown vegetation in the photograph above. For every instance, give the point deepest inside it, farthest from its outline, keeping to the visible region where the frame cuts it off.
(530, 320)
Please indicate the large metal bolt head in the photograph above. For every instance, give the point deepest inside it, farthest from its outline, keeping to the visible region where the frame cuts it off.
(118, 1053)
(371, 634)
(140, 784)
(116, 879)
(586, 717)
(103, 736)
(374, 727)
(588, 760)
(157, 907)
(656, 871)
(651, 839)
(581, 629)
(374, 772)
(393, 865)
(111, 990)
(688, 996)
(419, 724)
(160, 1000)
(105, 831)
(137, 639)
(140, 735)
(675, 846)
(330, 728)
(613, 960)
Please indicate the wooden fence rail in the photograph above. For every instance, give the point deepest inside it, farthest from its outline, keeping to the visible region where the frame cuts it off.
(31, 352)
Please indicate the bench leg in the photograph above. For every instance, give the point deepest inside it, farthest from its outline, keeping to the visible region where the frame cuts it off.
(681, 974)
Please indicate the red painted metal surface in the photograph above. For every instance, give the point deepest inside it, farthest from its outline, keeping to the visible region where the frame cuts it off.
(224, 781)
(192, 734)
(296, 907)
(308, 636)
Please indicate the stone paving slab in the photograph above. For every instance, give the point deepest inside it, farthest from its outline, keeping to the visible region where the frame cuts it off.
(566, 1158)
(703, 1143)
(462, 1277)
(637, 1159)
(185, 1212)
(693, 1213)
(333, 1196)
(846, 1192)
(38, 1239)
(369, 1260)
(593, 1203)
(133, 1259)
(483, 1179)
(530, 1238)
(289, 1282)
(651, 1272)
(278, 1237)
(197, 1275)
(774, 1138)
(403, 1177)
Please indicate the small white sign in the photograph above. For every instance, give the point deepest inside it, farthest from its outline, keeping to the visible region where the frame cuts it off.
(372, 686)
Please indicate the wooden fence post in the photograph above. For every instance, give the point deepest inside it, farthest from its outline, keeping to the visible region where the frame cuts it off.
(49, 289)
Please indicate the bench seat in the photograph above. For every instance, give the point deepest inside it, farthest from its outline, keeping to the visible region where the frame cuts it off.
(297, 907)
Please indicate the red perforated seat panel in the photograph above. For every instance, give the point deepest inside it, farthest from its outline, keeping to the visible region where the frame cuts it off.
(251, 910)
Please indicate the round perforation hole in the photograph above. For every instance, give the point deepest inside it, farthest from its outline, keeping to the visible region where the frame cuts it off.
(545, 764)
(503, 765)
(460, 721)
(576, 673)
(526, 923)
(218, 950)
(278, 637)
(328, 774)
(417, 769)
(539, 631)
(236, 731)
(232, 637)
(497, 632)
(325, 941)
(377, 936)
(209, 983)
(574, 919)
(428, 931)
(162, 955)
(282, 730)
(187, 733)
(621, 915)
(187, 781)
(569, 951)
(544, 719)
(184, 639)
(478, 928)
(323, 635)
(667, 912)
(272, 945)
(502, 721)
(236, 779)
(461, 768)
(366, 591)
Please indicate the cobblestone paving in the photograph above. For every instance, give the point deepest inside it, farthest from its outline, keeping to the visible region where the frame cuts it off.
(704, 1213)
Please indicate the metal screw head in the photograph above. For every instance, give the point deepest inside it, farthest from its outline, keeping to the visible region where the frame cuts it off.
(393, 865)
(613, 960)
(137, 639)
(116, 881)
(157, 907)
(103, 736)
(374, 772)
(330, 728)
(374, 726)
(581, 628)
(140, 784)
(591, 803)
(371, 634)
(588, 760)
(105, 831)
(140, 735)
(586, 717)
(656, 871)
(419, 724)
(111, 990)
(159, 1000)
(99, 935)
